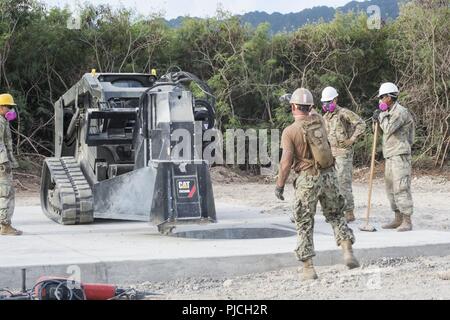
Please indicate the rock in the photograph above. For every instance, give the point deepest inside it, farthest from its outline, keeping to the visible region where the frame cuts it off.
(227, 283)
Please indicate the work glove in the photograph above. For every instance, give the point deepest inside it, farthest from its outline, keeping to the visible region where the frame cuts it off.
(279, 192)
(348, 143)
(376, 115)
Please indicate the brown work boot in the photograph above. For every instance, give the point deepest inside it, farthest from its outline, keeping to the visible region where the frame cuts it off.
(406, 224)
(395, 223)
(349, 216)
(349, 259)
(308, 272)
(8, 230)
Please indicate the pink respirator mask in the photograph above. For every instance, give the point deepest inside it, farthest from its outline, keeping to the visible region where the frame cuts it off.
(11, 115)
(383, 106)
(329, 107)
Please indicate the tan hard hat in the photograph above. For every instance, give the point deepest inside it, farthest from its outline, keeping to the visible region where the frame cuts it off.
(302, 96)
(6, 100)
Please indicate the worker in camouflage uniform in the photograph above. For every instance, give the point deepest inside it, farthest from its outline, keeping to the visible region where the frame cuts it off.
(344, 127)
(7, 163)
(398, 128)
(316, 181)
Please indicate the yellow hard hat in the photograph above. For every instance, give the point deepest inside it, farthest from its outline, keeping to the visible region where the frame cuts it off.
(6, 100)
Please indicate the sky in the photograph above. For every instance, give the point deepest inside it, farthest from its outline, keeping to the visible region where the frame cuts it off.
(204, 8)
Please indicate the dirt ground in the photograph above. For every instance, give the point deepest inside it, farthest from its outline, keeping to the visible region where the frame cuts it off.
(386, 278)
(431, 196)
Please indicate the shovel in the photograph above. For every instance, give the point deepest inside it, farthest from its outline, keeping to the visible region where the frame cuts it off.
(367, 227)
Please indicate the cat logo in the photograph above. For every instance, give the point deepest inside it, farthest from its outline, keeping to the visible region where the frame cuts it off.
(184, 186)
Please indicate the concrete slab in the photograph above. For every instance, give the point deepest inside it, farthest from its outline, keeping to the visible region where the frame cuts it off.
(129, 252)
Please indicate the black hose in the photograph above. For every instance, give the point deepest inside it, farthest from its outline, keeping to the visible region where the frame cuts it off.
(59, 290)
(211, 114)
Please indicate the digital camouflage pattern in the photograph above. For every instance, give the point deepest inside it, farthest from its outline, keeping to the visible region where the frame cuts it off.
(398, 183)
(7, 162)
(344, 172)
(7, 194)
(309, 189)
(398, 129)
(342, 125)
(398, 137)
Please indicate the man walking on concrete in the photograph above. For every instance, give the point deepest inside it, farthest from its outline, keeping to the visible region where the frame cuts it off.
(398, 128)
(306, 148)
(344, 127)
(7, 163)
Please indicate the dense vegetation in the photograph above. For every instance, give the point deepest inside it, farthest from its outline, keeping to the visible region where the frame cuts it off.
(40, 58)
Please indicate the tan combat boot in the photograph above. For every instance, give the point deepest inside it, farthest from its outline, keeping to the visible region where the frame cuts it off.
(308, 272)
(349, 259)
(8, 230)
(349, 216)
(406, 224)
(395, 223)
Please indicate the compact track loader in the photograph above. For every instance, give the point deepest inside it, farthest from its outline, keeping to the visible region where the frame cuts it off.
(114, 151)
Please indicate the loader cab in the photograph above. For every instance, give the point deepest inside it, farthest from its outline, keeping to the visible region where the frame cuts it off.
(112, 123)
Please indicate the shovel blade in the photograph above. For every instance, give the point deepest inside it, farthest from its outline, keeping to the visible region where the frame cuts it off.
(367, 228)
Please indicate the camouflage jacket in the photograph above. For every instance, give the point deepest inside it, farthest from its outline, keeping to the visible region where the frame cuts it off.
(343, 124)
(6, 149)
(398, 131)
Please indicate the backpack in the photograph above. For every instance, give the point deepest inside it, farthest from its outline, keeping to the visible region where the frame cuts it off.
(315, 135)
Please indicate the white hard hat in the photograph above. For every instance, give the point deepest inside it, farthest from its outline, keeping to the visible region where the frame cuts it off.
(328, 94)
(302, 96)
(388, 87)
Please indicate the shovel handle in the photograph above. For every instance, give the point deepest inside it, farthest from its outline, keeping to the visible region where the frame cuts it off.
(372, 170)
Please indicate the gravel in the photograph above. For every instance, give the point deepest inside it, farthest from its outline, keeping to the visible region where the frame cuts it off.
(385, 278)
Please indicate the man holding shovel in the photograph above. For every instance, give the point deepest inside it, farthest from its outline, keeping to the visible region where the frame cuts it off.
(397, 125)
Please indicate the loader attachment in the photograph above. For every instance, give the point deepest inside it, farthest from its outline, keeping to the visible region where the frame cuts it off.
(159, 194)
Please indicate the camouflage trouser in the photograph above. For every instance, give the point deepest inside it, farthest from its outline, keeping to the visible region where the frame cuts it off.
(7, 194)
(308, 190)
(397, 177)
(344, 172)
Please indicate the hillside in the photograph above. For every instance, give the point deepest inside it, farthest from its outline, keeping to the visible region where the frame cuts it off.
(291, 21)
